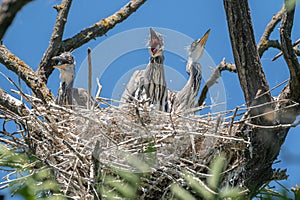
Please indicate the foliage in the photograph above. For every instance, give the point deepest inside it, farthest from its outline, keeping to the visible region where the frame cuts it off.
(27, 177)
(212, 188)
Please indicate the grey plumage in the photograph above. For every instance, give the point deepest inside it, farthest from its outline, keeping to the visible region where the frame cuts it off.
(150, 84)
(67, 95)
(185, 98)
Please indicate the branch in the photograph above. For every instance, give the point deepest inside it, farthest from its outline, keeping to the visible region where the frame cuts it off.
(102, 27)
(213, 79)
(288, 51)
(12, 104)
(45, 68)
(264, 42)
(96, 30)
(13, 63)
(296, 49)
(262, 47)
(247, 60)
(8, 11)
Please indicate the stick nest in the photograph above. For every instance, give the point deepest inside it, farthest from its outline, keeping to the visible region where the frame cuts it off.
(82, 146)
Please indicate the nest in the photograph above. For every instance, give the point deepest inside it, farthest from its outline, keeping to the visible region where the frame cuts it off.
(82, 146)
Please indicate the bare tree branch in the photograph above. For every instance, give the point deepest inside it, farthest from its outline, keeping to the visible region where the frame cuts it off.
(264, 42)
(15, 64)
(296, 49)
(13, 104)
(103, 26)
(45, 68)
(213, 79)
(96, 30)
(262, 47)
(287, 49)
(8, 11)
(247, 60)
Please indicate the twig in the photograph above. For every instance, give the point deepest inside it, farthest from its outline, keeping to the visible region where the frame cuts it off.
(45, 67)
(90, 71)
(213, 79)
(279, 126)
(232, 120)
(99, 89)
(8, 11)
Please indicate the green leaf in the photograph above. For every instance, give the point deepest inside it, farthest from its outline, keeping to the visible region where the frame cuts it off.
(199, 187)
(124, 189)
(230, 192)
(216, 168)
(181, 193)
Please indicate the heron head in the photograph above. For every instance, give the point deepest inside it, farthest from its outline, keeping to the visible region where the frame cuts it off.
(66, 66)
(156, 45)
(64, 58)
(197, 47)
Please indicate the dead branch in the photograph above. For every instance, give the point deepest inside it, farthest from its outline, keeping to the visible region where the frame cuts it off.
(85, 35)
(264, 43)
(287, 49)
(15, 64)
(213, 79)
(102, 27)
(45, 67)
(8, 11)
(12, 104)
(296, 49)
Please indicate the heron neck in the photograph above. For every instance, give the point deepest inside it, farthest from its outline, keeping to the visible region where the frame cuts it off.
(155, 70)
(157, 59)
(189, 92)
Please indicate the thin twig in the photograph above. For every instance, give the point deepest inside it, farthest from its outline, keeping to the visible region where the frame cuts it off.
(90, 71)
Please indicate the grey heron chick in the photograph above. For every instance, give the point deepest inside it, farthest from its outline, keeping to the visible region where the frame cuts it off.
(67, 95)
(186, 97)
(150, 84)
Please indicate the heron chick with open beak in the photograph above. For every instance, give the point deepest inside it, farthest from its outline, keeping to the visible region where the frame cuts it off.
(185, 98)
(150, 84)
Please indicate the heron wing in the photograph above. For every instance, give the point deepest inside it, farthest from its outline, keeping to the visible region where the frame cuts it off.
(133, 85)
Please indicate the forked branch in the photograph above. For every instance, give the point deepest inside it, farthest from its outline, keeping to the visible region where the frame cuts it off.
(265, 43)
(45, 68)
(85, 35)
(103, 26)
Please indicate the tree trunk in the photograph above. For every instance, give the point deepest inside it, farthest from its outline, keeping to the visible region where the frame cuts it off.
(265, 136)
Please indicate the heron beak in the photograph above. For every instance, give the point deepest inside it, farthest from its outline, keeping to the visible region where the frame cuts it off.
(63, 67)
(155, 44)
(202, 41)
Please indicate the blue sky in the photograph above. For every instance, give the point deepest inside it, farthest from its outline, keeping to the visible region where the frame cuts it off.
(29, 35)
